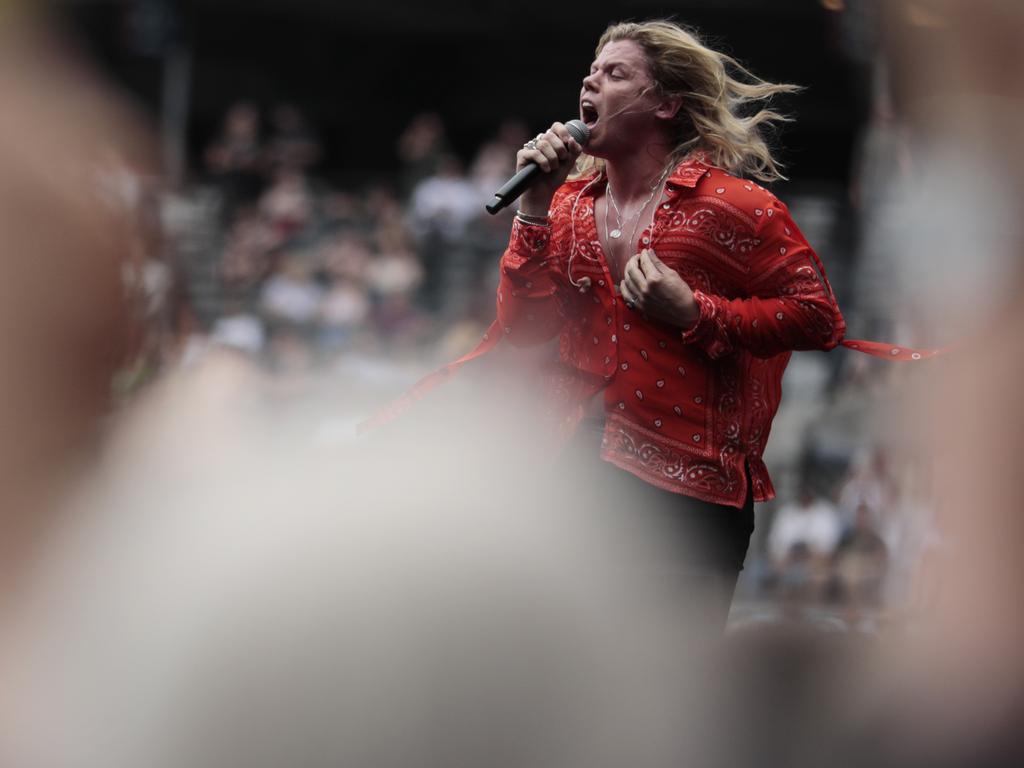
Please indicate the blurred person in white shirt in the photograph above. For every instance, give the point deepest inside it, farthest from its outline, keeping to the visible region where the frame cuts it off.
(801, 542)
(291, 294)
(445, 202)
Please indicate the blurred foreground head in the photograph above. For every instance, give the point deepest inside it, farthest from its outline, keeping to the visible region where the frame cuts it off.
(63, 319)
(954, 691)
(228, 595)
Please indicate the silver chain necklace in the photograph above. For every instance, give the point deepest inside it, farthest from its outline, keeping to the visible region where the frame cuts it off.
(617, 232)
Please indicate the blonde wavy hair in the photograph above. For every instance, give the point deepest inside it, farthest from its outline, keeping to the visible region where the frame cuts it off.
(717, 93)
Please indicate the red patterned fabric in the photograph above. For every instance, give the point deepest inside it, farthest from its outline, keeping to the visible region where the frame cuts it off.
(684, 411)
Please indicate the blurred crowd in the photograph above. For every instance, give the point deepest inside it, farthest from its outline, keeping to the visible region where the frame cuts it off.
(855, 546)
(298, 272)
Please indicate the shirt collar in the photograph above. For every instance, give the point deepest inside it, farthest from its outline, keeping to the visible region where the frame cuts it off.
(689, 171)
(686, 174)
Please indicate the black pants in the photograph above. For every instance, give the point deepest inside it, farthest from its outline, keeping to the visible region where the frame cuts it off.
(703, 544)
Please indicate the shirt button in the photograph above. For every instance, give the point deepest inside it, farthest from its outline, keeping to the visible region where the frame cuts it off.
(647, 240)
(666, 206)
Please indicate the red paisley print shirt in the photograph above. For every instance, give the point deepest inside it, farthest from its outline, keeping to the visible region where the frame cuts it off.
(690, 411)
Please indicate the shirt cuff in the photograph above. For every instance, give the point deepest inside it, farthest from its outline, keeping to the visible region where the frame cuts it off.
(705, 319)
(528, 241)
(709, 330)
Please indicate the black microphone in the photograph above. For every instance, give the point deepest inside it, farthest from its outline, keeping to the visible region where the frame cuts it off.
(530, 172)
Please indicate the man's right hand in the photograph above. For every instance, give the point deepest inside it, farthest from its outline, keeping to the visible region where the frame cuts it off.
(555, 152)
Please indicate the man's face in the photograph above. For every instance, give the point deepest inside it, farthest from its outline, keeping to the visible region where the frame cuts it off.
(617, 96)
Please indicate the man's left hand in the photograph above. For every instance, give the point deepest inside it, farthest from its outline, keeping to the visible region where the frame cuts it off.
(658, 291)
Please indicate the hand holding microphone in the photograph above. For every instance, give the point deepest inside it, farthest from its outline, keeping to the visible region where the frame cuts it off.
(542, 165)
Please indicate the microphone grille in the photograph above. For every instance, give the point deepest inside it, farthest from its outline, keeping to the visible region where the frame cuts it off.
(579, 131)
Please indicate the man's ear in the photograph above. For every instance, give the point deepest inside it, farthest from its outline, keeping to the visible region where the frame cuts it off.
(669, 107)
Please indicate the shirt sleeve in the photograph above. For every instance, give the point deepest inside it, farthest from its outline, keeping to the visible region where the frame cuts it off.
(789, 303)
(528, 309)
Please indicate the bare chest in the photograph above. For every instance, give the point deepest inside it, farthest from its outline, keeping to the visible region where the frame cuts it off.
(622, 239)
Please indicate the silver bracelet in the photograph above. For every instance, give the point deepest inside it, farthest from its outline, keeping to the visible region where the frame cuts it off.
(540, 221)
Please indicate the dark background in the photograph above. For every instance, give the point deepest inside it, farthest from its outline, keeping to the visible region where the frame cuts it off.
(362, 70)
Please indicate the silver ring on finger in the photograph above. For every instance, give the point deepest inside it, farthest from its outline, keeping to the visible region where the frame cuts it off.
(531, 144)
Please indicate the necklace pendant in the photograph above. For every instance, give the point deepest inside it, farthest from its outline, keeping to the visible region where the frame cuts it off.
(616, 233)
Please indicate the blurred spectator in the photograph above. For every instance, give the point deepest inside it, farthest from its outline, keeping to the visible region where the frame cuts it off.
(801, 543)
(394, 276)
(861, 562)
(491, 168)
(242, 332)
(445, 202)
(288, 202)
(344, 310)
(871, 484)
(420, 148)
(233, 159)
(386, 216)
(441, 208)
(345, 255)
(245, 261)
(342, 208)
(394, 271)
(292, 144)
(291, 295)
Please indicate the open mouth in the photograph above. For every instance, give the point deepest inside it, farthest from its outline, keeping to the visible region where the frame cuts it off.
(588, 113)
